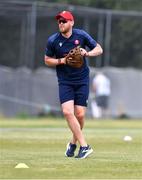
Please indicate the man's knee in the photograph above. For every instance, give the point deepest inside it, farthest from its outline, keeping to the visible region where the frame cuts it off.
(67, 112)
(80, 115)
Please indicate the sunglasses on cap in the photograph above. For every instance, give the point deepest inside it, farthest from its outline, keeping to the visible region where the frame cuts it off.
(63, 21)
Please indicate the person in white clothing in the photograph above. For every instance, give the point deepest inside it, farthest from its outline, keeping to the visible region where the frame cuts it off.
(102, 89)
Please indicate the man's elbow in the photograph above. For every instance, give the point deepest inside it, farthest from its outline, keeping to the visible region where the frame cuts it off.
(101, 50)
(46, 61)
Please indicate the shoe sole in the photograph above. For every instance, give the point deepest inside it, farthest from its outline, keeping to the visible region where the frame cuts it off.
(87, 154)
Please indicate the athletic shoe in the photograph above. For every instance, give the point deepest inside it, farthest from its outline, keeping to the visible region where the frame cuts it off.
(84, 151)
(70, 150)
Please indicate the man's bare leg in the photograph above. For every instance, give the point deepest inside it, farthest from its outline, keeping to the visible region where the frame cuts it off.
(73, 122)
(79, 112)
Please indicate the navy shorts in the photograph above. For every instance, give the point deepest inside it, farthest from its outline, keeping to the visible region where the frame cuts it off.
(79, 93)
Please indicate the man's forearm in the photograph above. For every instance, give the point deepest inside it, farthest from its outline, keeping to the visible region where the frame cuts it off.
(96, 51)
(53, 62)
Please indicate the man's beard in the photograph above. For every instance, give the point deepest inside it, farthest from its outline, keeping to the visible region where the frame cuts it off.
(64, 31)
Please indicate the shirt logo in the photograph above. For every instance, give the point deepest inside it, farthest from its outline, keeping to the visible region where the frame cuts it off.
(60, 44)
(76, 42)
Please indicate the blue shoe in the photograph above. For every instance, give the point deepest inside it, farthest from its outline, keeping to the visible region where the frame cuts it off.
(70, 150)
(84, 152)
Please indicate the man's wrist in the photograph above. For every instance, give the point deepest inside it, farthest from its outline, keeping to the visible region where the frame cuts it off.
(59, 61)
(87, 54)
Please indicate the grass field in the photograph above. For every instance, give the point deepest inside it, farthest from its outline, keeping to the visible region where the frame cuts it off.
(40, 143)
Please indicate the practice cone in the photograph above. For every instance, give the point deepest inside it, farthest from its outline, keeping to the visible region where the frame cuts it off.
(21, 165)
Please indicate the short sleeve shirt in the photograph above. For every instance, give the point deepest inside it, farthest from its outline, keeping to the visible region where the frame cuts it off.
(58, 46)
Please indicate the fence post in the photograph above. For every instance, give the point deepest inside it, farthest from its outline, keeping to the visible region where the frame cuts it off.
(107, 39)
(33, 18)
(100, 39)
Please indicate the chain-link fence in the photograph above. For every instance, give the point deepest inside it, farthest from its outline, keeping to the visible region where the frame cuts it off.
(25, 27)
(23, 91)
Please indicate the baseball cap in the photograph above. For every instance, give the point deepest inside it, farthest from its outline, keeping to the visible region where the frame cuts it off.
(66, 15)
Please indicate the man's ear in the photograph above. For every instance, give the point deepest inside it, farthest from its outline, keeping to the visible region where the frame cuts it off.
(72, 23)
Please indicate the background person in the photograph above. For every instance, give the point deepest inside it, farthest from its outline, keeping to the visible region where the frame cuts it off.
(73, 82)
(102, 89)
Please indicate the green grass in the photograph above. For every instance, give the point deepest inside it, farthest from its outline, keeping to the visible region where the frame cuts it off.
(40, 143)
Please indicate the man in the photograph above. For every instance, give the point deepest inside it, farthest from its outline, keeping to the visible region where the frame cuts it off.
(102, 89)
(73, 82)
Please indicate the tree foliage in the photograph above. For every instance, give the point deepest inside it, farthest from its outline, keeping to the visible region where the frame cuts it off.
(105, 4)
(126, 38)
(125, 42)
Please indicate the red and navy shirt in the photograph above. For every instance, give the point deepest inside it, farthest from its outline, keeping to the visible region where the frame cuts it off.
(58, 46)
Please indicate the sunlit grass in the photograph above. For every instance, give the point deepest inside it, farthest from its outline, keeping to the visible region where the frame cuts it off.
(40, 143)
